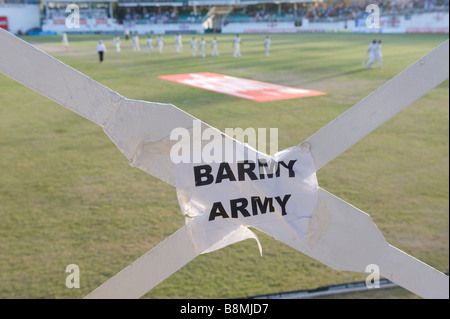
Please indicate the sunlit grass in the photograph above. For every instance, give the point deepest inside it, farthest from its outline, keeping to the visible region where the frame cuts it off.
(68, 195)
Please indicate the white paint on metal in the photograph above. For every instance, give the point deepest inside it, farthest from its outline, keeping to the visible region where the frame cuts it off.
(352, 241)
(150, 269)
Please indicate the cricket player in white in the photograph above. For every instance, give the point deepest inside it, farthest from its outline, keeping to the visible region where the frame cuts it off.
(101, 49)
(117, 43)
(160, 42)
(378, 55)
(267, 44)
(65, 41)
(372, 53)
(214, 51)
(194, 46)
(136, 46)
(149, 44)
(237, 46)
(202, 48)
(178, 43)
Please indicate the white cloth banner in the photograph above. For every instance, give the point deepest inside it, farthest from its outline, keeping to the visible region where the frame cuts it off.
(220, 200)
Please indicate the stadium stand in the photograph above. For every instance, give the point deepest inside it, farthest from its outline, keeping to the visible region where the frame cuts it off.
(230, 16)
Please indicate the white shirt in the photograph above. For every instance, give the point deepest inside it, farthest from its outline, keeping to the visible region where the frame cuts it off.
(372, 49)
(101, 47)
(65, 41)
(378, 50)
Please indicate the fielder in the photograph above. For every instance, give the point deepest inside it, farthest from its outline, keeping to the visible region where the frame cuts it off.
(136, 46)
(214, 51)
(178, 43)
(194, 46)
(160, 42)
(65, 41)
(117, 43)
(149, 44)
(237, 46)
(372, 53)
(378, 55)
(267, 44)
(202, 48)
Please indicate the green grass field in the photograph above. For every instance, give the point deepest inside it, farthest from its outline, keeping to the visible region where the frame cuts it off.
(68, 196)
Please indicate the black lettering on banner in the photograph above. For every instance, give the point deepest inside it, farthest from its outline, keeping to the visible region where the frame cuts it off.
(203, 171)
(217, 210)
(289, 166)
(268, 169)
(283, 203)
(256, 203)
(246, 167)
(239, 205)
(222, 175)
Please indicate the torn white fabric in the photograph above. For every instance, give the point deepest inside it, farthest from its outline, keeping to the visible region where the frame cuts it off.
(222, 199)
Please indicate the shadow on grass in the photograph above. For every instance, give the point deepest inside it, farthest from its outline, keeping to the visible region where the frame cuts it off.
(329, 77)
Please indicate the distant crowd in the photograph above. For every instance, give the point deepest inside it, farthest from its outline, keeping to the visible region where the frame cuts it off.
(357, 8)
(158, 15)
(331, 9)
(313, 11)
